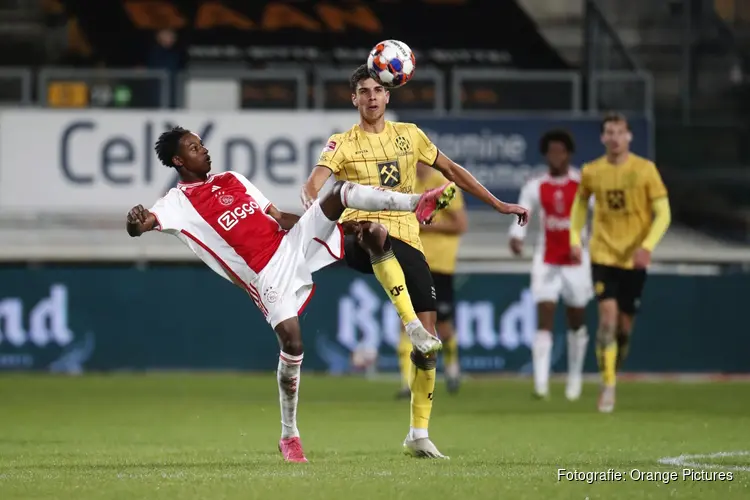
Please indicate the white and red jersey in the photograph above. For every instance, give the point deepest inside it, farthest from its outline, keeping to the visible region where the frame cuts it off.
(224, 222)
(553, 198)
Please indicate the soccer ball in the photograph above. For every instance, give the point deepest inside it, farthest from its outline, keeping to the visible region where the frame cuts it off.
(391, 63)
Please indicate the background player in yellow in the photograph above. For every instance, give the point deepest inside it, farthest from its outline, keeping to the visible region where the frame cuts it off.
(440, 240)
(381, 153)
(631, 215)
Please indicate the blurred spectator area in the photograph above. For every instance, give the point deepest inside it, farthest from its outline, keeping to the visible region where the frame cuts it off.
(513, 57)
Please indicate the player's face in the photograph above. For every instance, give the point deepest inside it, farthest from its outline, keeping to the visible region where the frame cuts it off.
(616, 137)
(193, 155)
(370, 99)
(557, 157)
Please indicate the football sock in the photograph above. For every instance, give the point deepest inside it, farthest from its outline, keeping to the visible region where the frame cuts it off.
(391, 277)
(623, 348)
(404, 359)
(541, 351)
(371, 199)
(450, 358)
(422, 386)
(607, 356)
(287, 376)
(577, 342)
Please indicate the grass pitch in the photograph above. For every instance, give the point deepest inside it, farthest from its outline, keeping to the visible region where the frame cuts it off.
(215, 437)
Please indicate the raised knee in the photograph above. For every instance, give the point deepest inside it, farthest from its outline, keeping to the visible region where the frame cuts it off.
(374, 237)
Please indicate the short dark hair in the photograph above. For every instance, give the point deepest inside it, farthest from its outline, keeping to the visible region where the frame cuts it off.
(168, 144)
(557, 135)
(359, 74)
(614, 117)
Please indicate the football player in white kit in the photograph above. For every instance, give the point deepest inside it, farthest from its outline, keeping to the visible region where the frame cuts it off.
(553, 274)
(237, 232)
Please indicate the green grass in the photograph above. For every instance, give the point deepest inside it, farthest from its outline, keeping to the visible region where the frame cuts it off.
(214, 437)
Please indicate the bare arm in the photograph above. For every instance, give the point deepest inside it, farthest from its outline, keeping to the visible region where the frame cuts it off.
(467, 182)
(139, 221)
(285, 220)
(314, 184)
(456, 223)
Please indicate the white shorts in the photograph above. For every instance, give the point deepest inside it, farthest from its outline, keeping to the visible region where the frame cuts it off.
(285, 285)
(550, 282)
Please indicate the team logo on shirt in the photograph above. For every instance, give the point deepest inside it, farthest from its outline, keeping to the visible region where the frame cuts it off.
(271, 295)
(226, 199)
(616, 199)
(402, 144)
(389, 173)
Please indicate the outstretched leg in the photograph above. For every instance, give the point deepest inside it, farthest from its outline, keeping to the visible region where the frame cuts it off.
(347, 194)
(288, 378)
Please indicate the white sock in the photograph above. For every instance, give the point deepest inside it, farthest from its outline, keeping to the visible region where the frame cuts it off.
(373, 200)
(415, 433)
(577, 342)
(287, 376)
(541, 350)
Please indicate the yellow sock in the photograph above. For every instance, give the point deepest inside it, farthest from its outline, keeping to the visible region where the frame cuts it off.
(390, 275)
(404, 358)
(450, 352)
(607, 356)
(422, 385)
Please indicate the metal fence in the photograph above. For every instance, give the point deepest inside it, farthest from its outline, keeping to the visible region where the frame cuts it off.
(458, 91)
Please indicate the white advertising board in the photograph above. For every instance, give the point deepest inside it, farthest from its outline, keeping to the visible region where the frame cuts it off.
(60, 161)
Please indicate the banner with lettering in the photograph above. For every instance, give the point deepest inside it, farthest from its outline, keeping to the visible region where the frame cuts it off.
(76, 318)
(504, 152)
(97, 160)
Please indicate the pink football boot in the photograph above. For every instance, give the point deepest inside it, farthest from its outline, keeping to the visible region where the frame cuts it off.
(291, 448)
(433, 200)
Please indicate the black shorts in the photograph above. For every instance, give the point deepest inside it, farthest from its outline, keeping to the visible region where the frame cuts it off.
(445, 297)
(624, 285)
(416, 271)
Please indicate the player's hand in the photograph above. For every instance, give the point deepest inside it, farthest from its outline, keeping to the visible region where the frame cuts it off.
(516, 246)
(575, 255)
(138, 215)
(307, 198)
(518, 210)
(641, 258)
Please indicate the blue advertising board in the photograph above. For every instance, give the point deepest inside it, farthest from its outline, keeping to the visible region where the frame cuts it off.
(504, 152)
(73, 319)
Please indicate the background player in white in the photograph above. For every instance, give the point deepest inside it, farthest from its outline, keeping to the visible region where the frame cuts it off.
(553, 274)
(227, 222)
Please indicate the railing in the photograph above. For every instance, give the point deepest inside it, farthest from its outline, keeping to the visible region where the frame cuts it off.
(460, 91)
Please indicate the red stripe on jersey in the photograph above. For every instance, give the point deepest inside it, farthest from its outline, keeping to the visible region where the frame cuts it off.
(248, 288)
(307, 300)
(337, 257)
(556, 198)
(237, 218)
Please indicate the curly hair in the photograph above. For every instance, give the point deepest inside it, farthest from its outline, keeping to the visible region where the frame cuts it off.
(167, 145)
(557, 135)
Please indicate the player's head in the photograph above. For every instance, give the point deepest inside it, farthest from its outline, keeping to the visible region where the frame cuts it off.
(368, 95)
(616, 135)
(557, 146)
(184, 151)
